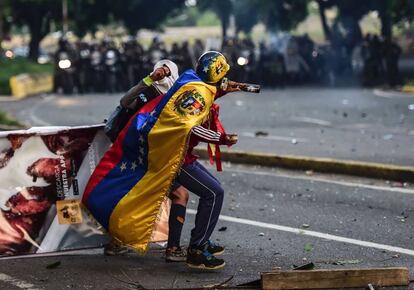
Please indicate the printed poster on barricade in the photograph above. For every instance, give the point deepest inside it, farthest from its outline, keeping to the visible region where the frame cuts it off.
(43, 173)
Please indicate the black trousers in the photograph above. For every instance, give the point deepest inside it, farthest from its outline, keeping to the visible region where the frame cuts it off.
(196, 178)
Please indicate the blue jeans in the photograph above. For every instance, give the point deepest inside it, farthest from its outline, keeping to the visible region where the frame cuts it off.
(196, 178)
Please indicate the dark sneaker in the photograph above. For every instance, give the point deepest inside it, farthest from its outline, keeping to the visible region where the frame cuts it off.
(175, 254)
(114, 249)
(215, 249)
(200, 258)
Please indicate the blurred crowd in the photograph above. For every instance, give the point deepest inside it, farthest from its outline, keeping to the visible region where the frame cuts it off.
(380, 61)
(297, 60)
(284, 60)
(105, 67)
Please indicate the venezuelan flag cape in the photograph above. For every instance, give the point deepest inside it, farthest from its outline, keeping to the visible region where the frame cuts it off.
(126, 189)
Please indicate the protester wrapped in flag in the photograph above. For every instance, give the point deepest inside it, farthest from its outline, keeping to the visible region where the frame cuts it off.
(128, 186)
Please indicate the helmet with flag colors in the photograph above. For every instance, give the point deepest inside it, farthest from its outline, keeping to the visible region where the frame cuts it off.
(211, 67)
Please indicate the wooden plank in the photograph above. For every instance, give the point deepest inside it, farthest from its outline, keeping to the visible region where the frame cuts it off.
(335, 278)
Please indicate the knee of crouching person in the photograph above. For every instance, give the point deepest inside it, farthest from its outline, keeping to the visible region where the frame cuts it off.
(180, 196)
(219, 191)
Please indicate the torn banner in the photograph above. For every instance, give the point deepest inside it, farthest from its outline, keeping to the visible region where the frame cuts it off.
(43, 173)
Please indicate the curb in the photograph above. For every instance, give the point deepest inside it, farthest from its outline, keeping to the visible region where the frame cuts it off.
(24, 85)
(393, 93)
(4, 127)
(408, 89)
(326, 165)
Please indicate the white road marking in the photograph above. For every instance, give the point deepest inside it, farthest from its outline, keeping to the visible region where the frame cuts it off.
(313, 234)
(85, 251)
(273, 137)
(31, 112)
(344, 183)
(311, 121)
(17, 282)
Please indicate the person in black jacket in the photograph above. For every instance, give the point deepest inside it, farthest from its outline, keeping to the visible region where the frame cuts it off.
(150, 87)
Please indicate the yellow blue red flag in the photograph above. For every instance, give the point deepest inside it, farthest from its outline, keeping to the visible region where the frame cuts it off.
(126, 190)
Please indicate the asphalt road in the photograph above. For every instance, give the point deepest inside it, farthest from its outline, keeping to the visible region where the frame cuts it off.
(353, 123)
(271, 218)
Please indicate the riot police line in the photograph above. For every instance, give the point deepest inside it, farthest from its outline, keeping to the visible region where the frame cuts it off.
(285, 60)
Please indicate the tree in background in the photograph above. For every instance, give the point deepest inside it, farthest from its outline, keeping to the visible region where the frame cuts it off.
(133, 14)
(323, 5)
(393, 12)
(85, 15)
(223, 9)
(402, 11)
(285, 15)
(281, 15)
(350, 12)
(5, 14)
(138, 14)
(37, 16)
(2, 20)
(276, 15)
(246, 16)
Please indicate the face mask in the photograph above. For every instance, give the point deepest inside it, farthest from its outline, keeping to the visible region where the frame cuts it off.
(166, 83)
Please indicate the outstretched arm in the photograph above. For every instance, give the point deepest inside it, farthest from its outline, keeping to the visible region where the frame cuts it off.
(228, 86)
(209, 136)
